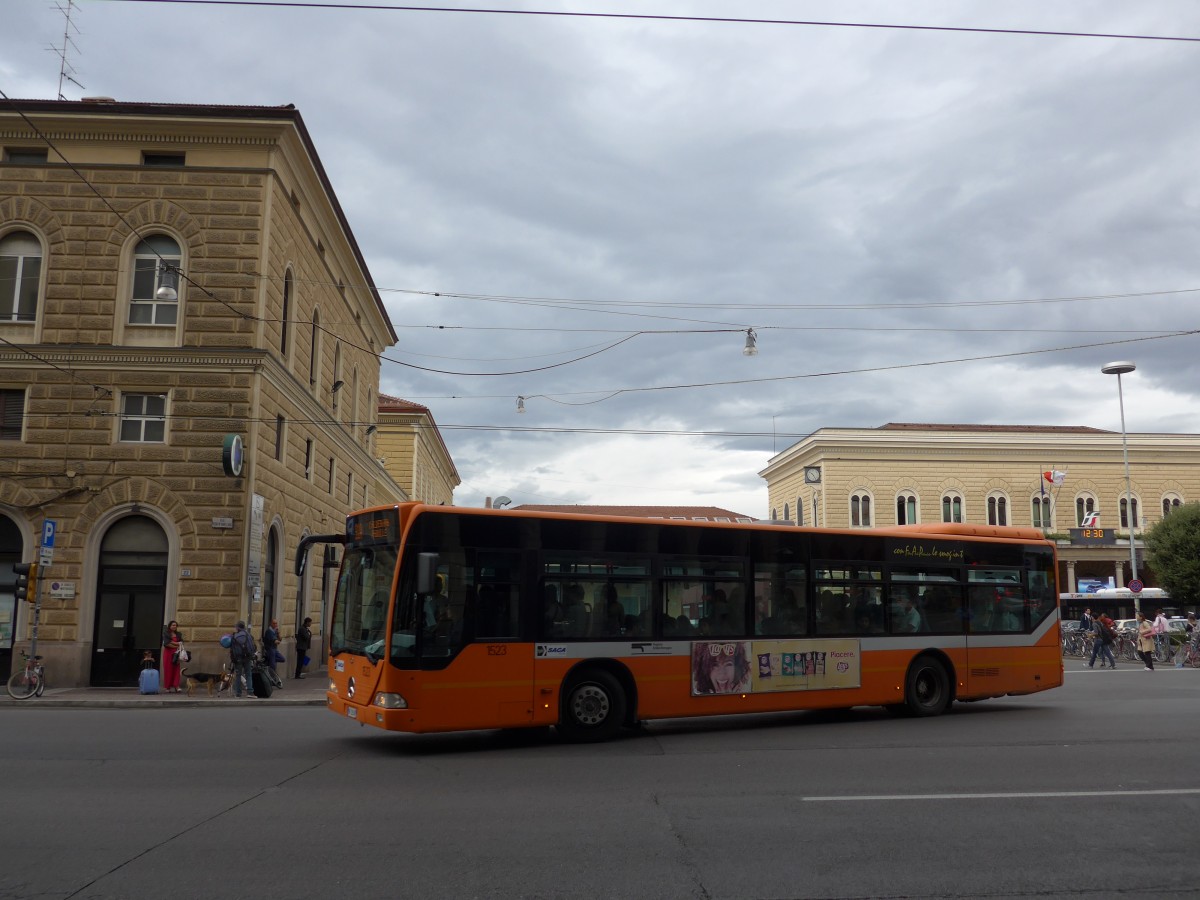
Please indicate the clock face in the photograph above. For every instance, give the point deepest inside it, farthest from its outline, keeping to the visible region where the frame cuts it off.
(232, 455)
(812, 475)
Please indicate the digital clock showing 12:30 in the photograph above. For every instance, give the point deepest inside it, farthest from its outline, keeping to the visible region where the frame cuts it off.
(1092, 535)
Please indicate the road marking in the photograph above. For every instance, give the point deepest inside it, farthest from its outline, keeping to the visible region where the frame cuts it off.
(1014, 796)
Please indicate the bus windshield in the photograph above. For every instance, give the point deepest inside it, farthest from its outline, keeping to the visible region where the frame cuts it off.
(360, 608)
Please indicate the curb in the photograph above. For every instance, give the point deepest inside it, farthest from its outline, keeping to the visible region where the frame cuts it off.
(72, 703)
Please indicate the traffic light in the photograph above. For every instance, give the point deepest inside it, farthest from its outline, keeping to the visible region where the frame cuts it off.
(25, 587)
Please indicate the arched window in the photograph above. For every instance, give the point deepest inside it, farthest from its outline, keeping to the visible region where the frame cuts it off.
(1085, 510)
(906, 509)
(1040, 512)
(156, 263)
(1128, 504)
(314, 350)
(997, 506)
(786, 515)
(337, 373)
(270, 565)
(285, 314)
(772, 514)
(20, 276)
(860, 511)
(1170, 503)
(799, 510)
(952, 507)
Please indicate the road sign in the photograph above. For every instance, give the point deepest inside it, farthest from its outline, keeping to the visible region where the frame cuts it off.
(48, 528)
(1136, 586)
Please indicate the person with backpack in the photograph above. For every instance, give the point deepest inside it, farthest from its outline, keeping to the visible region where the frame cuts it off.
(270, 644)
(303, 643)
(1104, 636)
(241, 655)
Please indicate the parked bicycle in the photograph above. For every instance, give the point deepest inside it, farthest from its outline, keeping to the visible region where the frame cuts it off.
(1189, 654)
(29, 680)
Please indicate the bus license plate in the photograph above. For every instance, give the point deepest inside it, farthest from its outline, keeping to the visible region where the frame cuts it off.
(352, 712)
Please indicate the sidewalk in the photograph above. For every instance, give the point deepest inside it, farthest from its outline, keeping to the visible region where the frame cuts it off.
(308, 691)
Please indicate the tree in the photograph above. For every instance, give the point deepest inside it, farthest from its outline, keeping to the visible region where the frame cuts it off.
(1173, 551)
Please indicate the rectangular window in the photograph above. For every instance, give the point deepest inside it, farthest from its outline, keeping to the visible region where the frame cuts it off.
(780, 599)
(308, 459)
(925, 599)
(332, 475)
(495, 583)
(162, 159)
(849, 598)
(996, 601)
(12, 414)
(143, 418)
(279, 427)
(596, 596)
(349, 486)
(28, 156)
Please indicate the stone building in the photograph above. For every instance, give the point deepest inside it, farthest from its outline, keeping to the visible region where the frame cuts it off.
(903, 473)
(189, 340)
(411, 449)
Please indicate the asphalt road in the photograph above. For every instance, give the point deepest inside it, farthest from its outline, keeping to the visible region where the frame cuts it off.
(1088, 791)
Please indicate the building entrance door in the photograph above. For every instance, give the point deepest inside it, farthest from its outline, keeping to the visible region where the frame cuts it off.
(11, 545)
(131, 601)
(129, 621)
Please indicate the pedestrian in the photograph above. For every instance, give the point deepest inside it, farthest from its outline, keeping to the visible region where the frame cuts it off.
(270, 641)
(1103, 637)
(241, 655)
(303, 642)
(1145, 641)
(1085, 621)
(172, 640)
(1160, 626)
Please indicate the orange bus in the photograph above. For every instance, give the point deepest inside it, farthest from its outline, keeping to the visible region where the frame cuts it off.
(448, 619)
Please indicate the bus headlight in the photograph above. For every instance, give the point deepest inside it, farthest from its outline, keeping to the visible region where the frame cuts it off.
(332, 686)
(391, 701)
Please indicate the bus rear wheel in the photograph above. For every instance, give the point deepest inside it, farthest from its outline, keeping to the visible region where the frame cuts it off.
(927, 687)
(593, 707)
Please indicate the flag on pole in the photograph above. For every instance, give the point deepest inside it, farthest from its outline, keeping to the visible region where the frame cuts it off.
(1054, 476)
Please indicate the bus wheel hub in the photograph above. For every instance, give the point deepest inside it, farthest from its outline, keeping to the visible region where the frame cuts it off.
(590, 705)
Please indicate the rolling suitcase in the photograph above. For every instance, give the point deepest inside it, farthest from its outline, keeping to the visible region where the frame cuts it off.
(148, 680)
(262, 683)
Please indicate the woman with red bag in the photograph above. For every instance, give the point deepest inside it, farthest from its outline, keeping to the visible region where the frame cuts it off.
(171, 642)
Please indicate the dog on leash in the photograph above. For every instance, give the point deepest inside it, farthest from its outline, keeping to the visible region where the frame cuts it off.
(215, 683)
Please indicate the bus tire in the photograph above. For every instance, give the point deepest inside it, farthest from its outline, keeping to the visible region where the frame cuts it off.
(927, 687)
(593, 707)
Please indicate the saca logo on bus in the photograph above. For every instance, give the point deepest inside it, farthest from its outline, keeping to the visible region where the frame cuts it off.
(548, 650)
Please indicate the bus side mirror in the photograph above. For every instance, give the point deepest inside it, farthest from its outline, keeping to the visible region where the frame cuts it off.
(427, 566)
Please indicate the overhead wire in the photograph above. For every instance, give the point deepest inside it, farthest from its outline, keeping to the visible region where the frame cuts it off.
(583, 305)
(728, 20)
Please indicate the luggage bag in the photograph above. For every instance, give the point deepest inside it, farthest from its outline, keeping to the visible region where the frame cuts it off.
(262, 683)
(148, 681)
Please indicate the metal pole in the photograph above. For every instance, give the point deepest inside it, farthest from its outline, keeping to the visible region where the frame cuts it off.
(1137, 603)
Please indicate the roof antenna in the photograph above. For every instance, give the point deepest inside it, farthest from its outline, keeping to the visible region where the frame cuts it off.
(66, 70)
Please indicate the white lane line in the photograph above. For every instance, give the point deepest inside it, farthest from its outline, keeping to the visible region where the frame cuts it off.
(1014, 796)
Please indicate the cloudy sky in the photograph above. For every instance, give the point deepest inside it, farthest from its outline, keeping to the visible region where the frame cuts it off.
(606, 205)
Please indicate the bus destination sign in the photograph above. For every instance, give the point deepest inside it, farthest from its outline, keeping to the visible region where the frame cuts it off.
(378, 526)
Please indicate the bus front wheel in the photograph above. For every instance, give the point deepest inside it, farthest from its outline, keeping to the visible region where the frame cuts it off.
(593, 707)
(927, 688)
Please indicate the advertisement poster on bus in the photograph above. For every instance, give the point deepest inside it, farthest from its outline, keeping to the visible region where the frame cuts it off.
(756, 667)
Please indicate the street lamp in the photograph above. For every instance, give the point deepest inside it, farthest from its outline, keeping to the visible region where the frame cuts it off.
(1123, 367)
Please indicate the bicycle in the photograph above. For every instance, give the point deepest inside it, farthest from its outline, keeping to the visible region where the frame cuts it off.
(1188, 655)
(29, 680)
